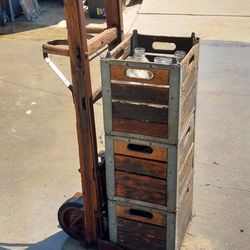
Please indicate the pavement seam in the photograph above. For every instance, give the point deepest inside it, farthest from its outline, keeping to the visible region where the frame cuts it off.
(220, 187)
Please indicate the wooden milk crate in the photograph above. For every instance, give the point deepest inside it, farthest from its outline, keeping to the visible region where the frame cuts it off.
(149, 140)
(155, 109)
(137, 227)
(149, 173)
(147, 181)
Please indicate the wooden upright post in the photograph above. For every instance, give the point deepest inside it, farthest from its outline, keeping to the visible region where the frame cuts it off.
(82, 95)
(113, 10)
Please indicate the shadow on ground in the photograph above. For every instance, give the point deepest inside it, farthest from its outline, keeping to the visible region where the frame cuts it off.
(52, 14)
(58, 241)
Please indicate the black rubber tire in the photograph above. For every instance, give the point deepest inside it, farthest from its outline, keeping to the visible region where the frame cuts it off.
(3, 18)
(71, 205)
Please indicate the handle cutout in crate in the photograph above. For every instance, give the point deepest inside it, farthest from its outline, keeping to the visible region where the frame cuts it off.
(164, 46)
(188, 133)
(139, 73)
(140, 148)
(118, 73)
(191, 60)
(141, 213)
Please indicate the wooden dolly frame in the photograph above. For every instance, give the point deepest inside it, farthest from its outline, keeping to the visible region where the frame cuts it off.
(79, 50)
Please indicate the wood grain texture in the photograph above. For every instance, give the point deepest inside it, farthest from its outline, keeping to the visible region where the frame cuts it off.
(56, 47)
(140, 127)
(113, 10)
(94, 29)
(186, 141)
(141, 188)
(185, 212)
(140, 112)
(141, 230)
(190, 59)
(131, 242)
(159, 154)
(121, 48)
(102, 39)
(182, 43)
(140, 93)
(188, 105)
(189, 81)
(118, 73)
(82, 94)
(157, 219)
(140, 166)
(185, 169)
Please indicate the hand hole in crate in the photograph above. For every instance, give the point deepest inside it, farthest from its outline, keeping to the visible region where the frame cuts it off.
(191, 60)
(187, 135)
(164, 46)
(140, 148)
(140, 213)
(139, 73)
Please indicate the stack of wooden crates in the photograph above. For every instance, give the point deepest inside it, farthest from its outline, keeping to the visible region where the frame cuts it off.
(149, 142)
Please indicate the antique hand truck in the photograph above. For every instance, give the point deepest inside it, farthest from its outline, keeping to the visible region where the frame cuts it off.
(83, 216)
(149, 132)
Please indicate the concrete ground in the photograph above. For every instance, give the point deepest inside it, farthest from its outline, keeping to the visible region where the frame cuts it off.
(39, 154)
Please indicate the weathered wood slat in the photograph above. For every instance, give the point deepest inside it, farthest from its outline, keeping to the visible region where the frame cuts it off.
(182, 43)
(185, 217)
(102, 39)
(190, 79)
(113, 11)
(140, 127)
(186, 141)
(56, 47)
(118, 73)
(185, 212)
(186, 169)
(181, 233)
(126, 148)
(132, 243)
(157, 218)
(124, 45)
(94, 29)
(139, 93)
(138, 187)
(141, 166)
(141, 230)
(188, 105)
(140, 112)
(190, 59)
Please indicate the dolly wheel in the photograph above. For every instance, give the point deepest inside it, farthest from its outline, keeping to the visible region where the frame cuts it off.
(70, 217)
(3, 18)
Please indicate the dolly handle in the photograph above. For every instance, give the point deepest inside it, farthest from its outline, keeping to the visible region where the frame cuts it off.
(52, 47)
